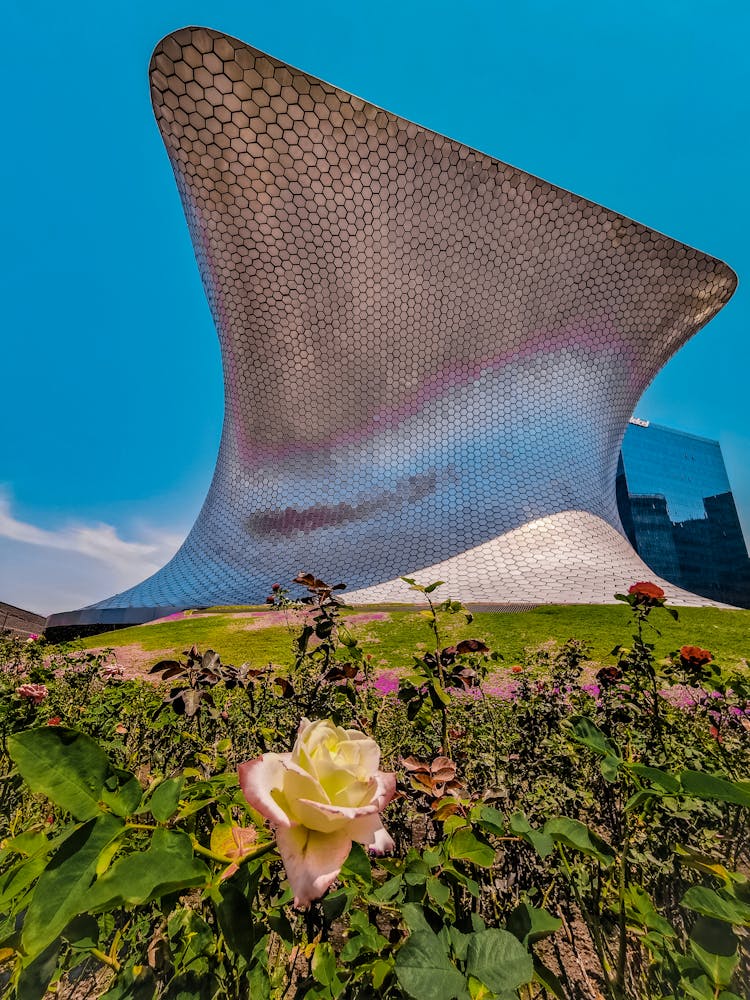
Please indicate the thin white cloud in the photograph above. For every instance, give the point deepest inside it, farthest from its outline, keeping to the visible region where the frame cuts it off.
(75, 564)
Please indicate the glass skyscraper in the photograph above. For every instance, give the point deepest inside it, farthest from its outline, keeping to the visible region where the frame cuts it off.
(677, 509)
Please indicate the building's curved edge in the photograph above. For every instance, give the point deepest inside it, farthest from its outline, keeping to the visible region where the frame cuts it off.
(110, 616)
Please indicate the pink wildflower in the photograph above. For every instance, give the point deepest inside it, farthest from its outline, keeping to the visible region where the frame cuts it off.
(386, 683)
(36, 693)
(111, 671)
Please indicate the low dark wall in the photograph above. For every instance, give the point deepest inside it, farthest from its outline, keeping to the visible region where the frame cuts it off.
(19, 621)
(66, 633)
(68, 625)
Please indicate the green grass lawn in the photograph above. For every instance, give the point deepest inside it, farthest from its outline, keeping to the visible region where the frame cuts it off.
(725, 633)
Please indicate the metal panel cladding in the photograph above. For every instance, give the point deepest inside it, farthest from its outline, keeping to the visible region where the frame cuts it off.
(430, 357)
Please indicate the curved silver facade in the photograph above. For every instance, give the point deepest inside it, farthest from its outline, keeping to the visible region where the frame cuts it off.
(430, 357)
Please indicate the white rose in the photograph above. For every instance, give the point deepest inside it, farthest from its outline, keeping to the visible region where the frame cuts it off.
(319, 798)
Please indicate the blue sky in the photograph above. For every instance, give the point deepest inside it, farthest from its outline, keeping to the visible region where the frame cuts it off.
(112, 392)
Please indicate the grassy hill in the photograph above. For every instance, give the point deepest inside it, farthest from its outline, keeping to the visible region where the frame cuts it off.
(260, 636)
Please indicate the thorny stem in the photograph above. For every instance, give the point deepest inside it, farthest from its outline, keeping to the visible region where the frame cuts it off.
(441, 679)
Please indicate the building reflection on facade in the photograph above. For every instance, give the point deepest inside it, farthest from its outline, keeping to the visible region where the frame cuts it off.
(677, 509)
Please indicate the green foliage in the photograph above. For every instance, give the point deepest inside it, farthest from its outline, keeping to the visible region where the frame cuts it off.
(615, 826)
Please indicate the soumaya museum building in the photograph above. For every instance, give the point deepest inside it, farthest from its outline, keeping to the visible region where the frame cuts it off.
(430, 357)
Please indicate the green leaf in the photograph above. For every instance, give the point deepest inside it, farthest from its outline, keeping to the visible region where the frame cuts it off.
(572, 833)
(464, 845)
(641, 912)
(610, 768)
(19, 878)
(82, 932)
(235, 919)
(541, 843)
(714, 945)
(28, 844)
(529, 923)
(639, 798)
(703, 863)
(358, 864)
(191, 939)
(662, 779)
(129, 986)
(459, 943)
(718, 905)
(62, 892)
(590, 735)
(66, 766)
(122, 792)
(336, 903)
(438, 891)
(389, 889)
(35, 977)
(167, 865)
(414, 918)
(324, 964)
(425, 971)
(498, 959)
(165, 799)
(713, 786)
(363, 937)
(490, 820)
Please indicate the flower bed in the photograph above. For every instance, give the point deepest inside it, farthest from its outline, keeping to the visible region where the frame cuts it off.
(464, 828)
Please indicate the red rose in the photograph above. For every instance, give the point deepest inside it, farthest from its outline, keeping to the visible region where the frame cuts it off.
(270, 600)
(54, 721)
(646, 593)
(694, 656)
(275, 587)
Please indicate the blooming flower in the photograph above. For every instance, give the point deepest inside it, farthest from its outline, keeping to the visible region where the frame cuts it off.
(386, 683)
(647, 594)
(34, 692)
(32, 637)
(111, 671)
(608, 676)
(694, 656)
(319, 798)
(54, 721)
(593, 690)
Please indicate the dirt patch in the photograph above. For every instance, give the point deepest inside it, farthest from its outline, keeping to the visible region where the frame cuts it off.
(135, 660)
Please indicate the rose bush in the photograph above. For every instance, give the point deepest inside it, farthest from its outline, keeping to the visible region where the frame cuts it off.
(319, 798)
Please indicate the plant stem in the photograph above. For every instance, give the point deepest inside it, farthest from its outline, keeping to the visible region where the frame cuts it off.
(622, 946)
(106, 959)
